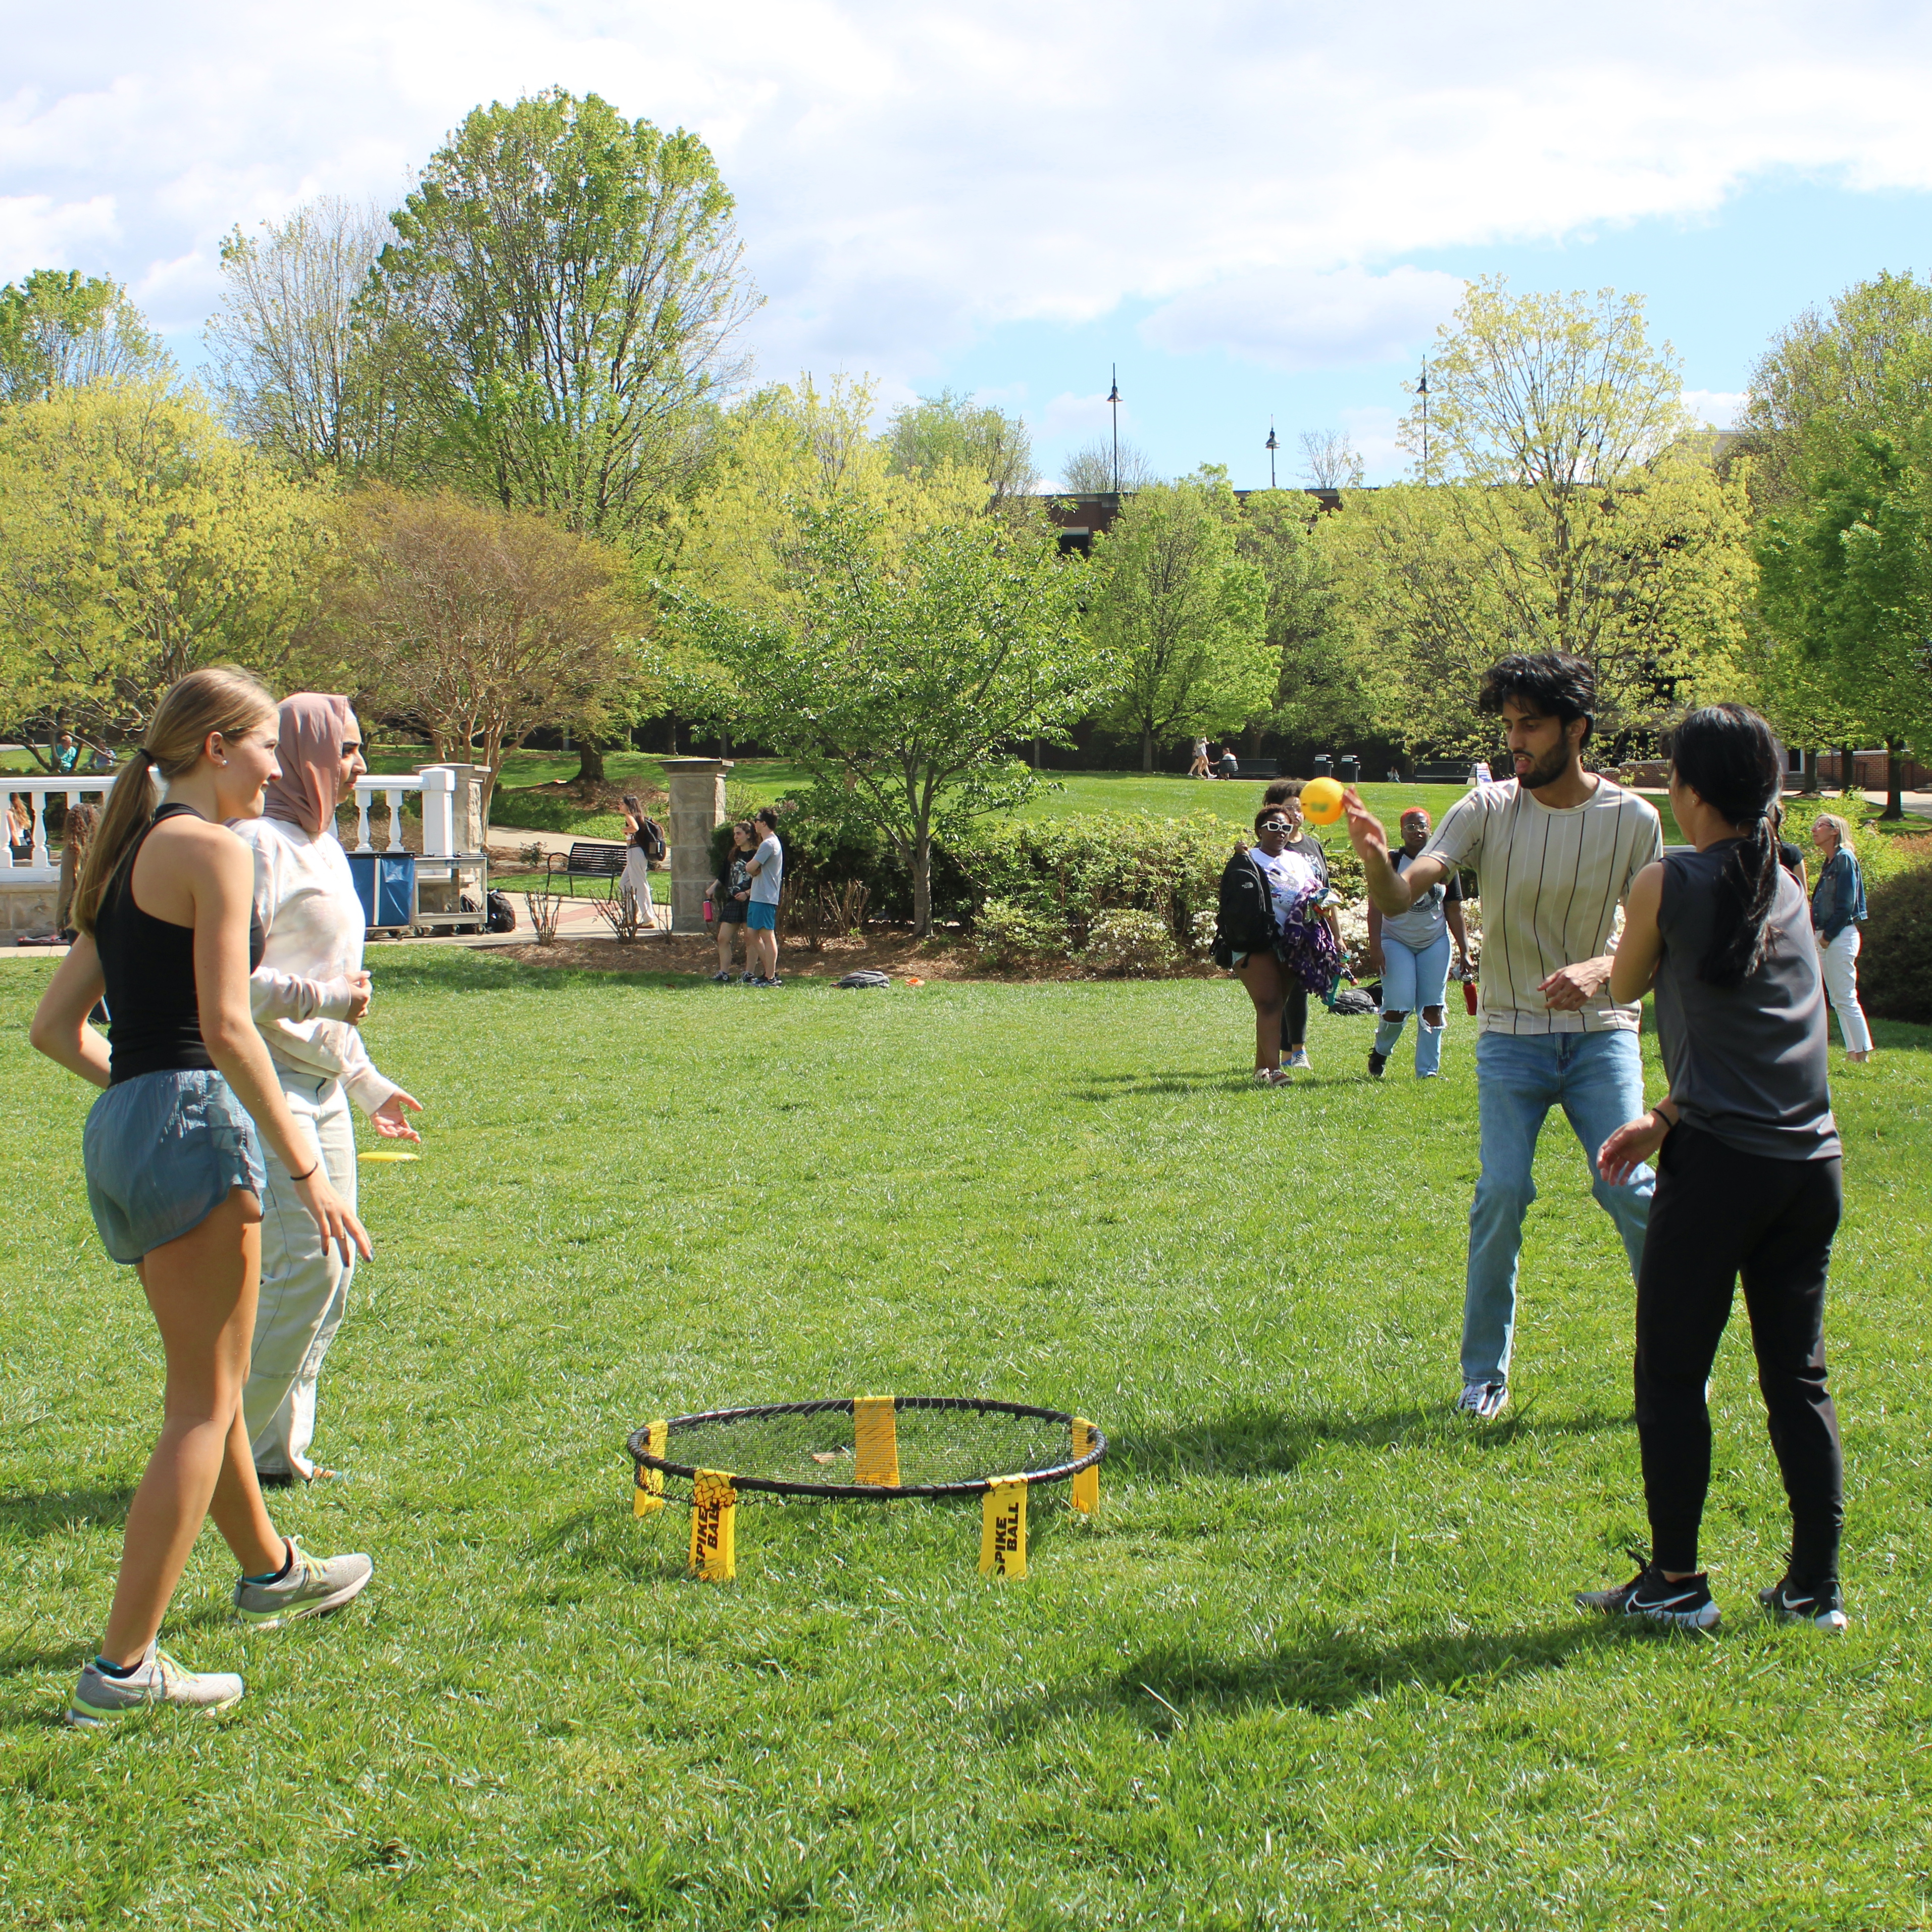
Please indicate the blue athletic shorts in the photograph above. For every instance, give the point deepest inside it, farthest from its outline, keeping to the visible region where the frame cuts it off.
(161, 1152)
(761, 918)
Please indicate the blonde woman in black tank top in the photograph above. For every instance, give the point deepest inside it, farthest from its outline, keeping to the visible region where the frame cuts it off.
(174, 1171)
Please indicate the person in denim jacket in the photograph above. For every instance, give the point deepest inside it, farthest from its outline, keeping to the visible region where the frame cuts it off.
(1837, 909)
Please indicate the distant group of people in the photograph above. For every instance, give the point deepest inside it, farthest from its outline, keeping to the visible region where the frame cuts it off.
(1208, 763)
(744, 897)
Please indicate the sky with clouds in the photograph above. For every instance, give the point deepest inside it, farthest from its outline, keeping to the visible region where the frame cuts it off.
(1259, 211)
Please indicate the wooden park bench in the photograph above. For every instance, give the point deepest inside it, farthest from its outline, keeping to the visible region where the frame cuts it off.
(587, 861)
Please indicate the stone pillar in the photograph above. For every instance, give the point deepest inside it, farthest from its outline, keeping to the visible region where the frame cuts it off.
(697, 810)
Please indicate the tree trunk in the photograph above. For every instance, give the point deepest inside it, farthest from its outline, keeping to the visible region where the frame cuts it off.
(1808, 785)
(921, 883)
(1895, 779)
(590, 762)
(1848, 771)
(1147, 748)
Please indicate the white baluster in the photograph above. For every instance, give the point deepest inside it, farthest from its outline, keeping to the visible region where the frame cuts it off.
(39, 854)
(361, 820)
(395, 799)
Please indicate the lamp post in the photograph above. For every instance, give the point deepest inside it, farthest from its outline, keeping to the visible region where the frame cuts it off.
(1271, 446)
(1114, 402)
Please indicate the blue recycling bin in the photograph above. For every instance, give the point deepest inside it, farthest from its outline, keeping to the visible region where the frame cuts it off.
(386, 883)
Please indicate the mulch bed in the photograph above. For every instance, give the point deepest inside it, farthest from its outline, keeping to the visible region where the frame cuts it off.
(897, 953)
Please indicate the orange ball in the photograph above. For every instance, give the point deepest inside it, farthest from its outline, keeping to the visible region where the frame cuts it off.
(1321, 801)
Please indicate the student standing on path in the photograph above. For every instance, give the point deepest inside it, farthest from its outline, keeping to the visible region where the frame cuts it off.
(1750, 1176)
(174, 1167)
(641, 844)
(1838, 906)
(1555, 849)
(761, 915)
(1410, 950)
(313, 925)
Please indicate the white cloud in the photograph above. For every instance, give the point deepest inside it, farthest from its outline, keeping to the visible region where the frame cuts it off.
(910, 172)
(1290, 319)
(1716, 408)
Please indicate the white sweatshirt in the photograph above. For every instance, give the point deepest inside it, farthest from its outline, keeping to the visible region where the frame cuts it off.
(313, 925)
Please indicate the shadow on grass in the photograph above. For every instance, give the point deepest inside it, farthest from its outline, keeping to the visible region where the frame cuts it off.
(28, 1517)
(1164, 1688)
(458, 969)
(1258, 1441)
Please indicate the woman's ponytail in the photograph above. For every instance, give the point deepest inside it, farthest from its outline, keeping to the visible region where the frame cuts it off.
(1726, 754)
(219, 698)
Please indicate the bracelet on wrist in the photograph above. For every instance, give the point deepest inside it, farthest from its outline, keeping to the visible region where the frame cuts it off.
(312, 1171)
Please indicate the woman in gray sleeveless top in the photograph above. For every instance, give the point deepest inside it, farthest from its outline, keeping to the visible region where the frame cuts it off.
(1749, 1179)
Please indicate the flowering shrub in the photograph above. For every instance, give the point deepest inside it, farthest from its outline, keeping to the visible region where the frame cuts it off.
(1006, 934)
(1128, 943)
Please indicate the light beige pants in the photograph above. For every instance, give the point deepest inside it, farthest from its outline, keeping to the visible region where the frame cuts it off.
(305, 1285)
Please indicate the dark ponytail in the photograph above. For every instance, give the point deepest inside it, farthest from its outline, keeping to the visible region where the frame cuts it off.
(1726, 754)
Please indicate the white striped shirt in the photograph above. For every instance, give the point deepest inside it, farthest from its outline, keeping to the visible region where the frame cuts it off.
(1549, 881)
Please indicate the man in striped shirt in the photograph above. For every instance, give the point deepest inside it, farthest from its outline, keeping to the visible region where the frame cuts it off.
(1554, 849)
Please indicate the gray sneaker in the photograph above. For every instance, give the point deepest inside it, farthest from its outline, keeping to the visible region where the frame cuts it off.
(159, 1678)
(314, 1585)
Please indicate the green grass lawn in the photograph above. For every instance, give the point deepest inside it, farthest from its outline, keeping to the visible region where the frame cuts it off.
(1312, 1663)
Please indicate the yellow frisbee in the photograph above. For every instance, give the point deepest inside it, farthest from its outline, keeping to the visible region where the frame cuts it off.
(384, 1154)
(1321, 801)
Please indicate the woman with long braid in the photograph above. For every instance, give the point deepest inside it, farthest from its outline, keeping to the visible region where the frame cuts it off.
(1750, 1179)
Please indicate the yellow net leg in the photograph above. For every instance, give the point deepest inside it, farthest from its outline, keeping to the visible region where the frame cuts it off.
(714, 1515)
(647, 1494)
(1084, 1492)
(1002, 1528)
(875, 1440)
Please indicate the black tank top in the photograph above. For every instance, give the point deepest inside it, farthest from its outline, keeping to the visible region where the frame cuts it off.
(155, 1024)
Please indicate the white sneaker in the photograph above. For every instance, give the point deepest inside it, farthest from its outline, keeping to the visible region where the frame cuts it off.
(1298, 1060)
(1485, 1401)
(158, 1678)
(314, 1586)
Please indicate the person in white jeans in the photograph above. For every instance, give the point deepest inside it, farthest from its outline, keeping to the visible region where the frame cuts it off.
(1838, 905)
(313, 925)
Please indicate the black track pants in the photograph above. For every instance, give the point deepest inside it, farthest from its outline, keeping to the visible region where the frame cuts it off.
(1294, 1014)
(1719, 1213)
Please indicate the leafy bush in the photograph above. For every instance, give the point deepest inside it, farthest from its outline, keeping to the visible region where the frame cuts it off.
(1895, 950)
(1005, 934)
(1126, 942)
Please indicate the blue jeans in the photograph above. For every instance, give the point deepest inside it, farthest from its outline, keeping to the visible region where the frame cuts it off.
(1597, 1079)
(1413, 978)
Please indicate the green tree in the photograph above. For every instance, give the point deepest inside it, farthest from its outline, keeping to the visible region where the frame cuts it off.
(1864, 369)
(138, 542)
(924, 437)
(60, 329)
(904, 666)
(1182, 615)
(1847, 578)
(1325, 688)
(555, 313)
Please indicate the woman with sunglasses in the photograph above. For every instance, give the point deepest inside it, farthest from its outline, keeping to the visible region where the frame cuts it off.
(1270, 933)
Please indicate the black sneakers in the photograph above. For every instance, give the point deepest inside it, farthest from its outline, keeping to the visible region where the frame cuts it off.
(1377, 1061)
(1686, 1603)
(1820, 1605)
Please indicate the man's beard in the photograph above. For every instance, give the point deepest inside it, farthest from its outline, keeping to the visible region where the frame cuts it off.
(1547, 771)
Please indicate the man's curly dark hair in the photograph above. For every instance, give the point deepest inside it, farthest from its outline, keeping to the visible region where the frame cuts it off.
(1549, 683)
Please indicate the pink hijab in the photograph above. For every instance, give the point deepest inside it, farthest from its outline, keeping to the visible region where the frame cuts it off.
(314, 728)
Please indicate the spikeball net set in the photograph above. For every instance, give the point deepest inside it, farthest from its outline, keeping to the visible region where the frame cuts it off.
(880, 1449)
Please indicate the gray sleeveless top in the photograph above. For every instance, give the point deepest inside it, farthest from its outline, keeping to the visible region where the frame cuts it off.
(1747, 1063)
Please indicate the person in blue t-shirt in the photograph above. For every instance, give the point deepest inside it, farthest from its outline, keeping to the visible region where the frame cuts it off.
(761, 914)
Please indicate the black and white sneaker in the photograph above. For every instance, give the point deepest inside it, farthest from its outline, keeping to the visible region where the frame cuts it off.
(1485, 1401)
(1820, 1605)
(1377, 1061)
(1686, 1603)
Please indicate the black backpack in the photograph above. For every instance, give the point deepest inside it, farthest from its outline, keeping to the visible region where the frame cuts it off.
(502, 915)
(656, 848)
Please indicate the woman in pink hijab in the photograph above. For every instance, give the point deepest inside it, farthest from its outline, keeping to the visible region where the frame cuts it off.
(313, 925)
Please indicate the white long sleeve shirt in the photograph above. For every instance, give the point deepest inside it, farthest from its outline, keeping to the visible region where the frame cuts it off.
(313, 925)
